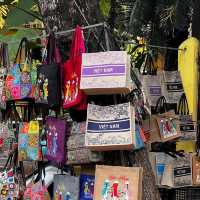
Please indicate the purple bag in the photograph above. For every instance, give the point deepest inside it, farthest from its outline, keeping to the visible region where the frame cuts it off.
(56, 133)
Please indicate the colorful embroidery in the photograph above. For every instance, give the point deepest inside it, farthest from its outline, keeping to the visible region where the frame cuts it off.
(52, 138)
(42, 87)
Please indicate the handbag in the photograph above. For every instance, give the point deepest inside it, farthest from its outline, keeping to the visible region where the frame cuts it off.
(188, 128)
(18, 81)
(66, 187)
(110, 127)
(29, 141)
(56, 131)
(106, 73)
(73, 96)
(113, 182)
(77, 153)
(49, 77)
(172, 86)
(4, 60)
(86, 187)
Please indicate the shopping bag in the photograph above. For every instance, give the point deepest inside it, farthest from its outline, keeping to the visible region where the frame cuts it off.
(188, 127)
(110, 127)
(29, 141)
(169, 126)
(72, 73)
(77, 153)
(196, 170)
(18, 81)
(106, 73)
(182, 171)
(56, 131)
(48, 87)
(66, 187)
(86, 187)
(113, 182)
(36, 191)
(172, 86)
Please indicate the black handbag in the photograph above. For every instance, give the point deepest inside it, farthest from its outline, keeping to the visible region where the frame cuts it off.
(48, 77)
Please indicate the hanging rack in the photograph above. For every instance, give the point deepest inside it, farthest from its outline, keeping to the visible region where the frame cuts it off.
(61, 33)
(159, 47)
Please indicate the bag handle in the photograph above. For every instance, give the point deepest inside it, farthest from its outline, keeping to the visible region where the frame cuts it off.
(149, 67)
(183, 108)
(23, 43)
(161, 105)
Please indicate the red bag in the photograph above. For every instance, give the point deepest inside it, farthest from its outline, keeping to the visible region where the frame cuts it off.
(73, 96)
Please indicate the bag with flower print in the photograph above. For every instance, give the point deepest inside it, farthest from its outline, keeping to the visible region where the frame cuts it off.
(29, 141)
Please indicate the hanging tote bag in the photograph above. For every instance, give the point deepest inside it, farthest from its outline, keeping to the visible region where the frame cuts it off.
(4, 60)
(113, 182)
(72, 73)
(110, 127)
(106, 73)
(49, 77)
(77, 153)
(29, 142)
(172, 86)
(86, 187)
(56, 130)
(66, 187)
(18, 80)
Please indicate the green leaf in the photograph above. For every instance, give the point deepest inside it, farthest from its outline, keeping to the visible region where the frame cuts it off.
(17, 16)
(105, 6)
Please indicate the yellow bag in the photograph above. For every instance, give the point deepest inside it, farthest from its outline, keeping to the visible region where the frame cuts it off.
(188, 67)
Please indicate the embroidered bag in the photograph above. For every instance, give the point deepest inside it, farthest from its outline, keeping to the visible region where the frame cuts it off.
(113, 182)
(4, 60)
(72, 72)
(66, 187)
(106, 73)
(86, 187)
(29, 141)
(18, 81)
(110, 127)
(56, 130)
(49, 77)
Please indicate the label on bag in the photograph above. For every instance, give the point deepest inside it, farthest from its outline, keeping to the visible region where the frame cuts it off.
(173, 87)
(104, 70)
(155, 91)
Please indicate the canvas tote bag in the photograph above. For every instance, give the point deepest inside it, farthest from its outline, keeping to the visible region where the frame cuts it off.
(66, 187)
(72, 73)
(110, 127)
(113, 182)
(106, 73)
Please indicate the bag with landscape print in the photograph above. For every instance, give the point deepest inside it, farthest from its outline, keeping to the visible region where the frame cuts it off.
(56, 131)
(113, 182)
(29, 141)
(66, 187)
(48, 88)
(110, 127)
(18, 81)
(4, 62)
